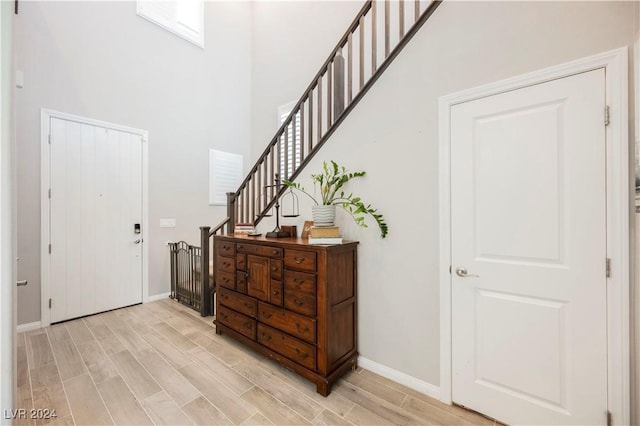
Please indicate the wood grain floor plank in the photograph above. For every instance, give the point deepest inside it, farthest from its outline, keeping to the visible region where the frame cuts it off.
(329, 418)
(174, 383)
(48, 392)
(272, 409)
(97, 361)
(361, 416)
(334, 402)
(374, 404)
(68, 359)
(431, 415)
(142, 384)
(219, 395)
(85, 401)
(201, 412)
(58, 332)
(232, 379)
(79, 331)
(121, 403)
(376, 388)
(164, 411)
(39, 351)
(275, 387)
(178, 340)
(132, 341)
(169, 352)
(256, 420)
(22, 363)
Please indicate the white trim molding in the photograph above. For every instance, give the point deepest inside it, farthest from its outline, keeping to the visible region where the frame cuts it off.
(411, 382)
(45, 122)
(155, 297)
(618, 215)
(30, 326)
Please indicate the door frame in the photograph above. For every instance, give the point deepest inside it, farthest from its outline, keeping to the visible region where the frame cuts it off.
(45, 223)
(618, 199)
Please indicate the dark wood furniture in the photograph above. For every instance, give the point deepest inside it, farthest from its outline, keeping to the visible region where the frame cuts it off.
(291, 301)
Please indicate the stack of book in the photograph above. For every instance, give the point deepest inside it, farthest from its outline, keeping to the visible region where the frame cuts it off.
(325, 235)
(244, 229)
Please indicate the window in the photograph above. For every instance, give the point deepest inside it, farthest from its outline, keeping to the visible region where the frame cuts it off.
(225, 175)
(283, 113)
(184, 18)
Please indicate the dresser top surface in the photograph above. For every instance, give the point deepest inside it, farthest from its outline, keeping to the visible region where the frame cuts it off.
(286, 241)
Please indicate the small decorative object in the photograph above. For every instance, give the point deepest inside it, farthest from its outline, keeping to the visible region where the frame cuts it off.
(305, 229)
(331, 182)
(277, 231)
(292, 230)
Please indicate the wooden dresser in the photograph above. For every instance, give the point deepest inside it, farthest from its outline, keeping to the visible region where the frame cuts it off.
(294, 302)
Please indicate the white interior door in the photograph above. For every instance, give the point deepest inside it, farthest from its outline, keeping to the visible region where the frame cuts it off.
(96, 200)
(528, 224)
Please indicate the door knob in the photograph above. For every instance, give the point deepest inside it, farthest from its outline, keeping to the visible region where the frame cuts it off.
(462, 272)
(138, 241)
(22, 283)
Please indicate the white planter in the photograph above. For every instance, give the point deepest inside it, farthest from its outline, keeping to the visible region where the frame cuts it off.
(323, 215)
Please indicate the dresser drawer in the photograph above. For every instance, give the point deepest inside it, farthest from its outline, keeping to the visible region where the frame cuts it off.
(276, 269)
(226, 264)
(226, 279)
(303, 303)
(241, 262)
(275, 293)
(241, 282)
(300, 259)
(292, 348)
(240, 323)
(243, 304)
(226, 248)
(301, 327)
(299, 281)
(260, 250)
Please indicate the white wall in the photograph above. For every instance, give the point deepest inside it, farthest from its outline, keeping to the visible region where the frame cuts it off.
(7, 215)
(393, 135)
(290, 41)
(101, 60)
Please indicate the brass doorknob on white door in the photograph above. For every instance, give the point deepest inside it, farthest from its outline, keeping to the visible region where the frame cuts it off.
(462, 272)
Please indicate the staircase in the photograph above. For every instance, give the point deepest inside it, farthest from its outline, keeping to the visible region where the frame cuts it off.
(376, 36)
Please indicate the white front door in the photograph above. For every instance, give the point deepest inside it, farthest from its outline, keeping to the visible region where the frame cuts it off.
(528, 224)
(96, 202)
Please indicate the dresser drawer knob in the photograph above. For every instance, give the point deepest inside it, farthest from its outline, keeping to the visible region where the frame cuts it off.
(241, 247)
(226, 263)
(273, 268)
(226, 248)
(266, 336)
(303, 355)
(275, 252)
(267, 314)
(247, 325)
(300, 329)
(223, 316)
(275, 292)
(298, 261)
(248, 305)
(298, 302)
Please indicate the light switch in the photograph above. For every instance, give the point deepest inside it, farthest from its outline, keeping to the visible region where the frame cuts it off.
(19, 79)
(167, 223)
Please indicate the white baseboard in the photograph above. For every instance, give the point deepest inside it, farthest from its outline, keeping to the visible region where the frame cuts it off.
(397, 376)
(157, 297)
(21, 328)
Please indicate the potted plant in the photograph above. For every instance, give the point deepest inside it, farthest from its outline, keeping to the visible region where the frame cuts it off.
(331, 182)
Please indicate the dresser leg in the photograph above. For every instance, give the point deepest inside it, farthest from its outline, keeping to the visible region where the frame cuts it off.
(323, 388)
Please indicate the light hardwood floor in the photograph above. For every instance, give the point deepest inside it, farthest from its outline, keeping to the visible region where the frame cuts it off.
(161, 363)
